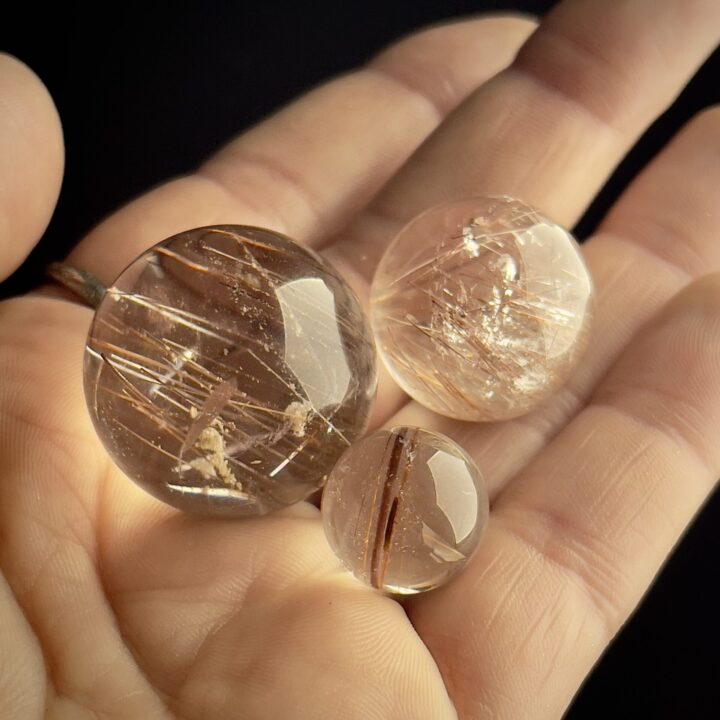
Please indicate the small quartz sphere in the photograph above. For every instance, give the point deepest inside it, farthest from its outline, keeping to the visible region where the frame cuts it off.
(404, 509)
(227, 369)
(481, 308)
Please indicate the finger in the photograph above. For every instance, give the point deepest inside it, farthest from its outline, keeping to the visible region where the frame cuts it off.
(31, 168)
(22, 670)
(552, 126)
(573, 543)
(661, 233)
(308, 168)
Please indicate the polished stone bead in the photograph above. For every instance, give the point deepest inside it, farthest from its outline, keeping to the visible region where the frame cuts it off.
(404, 509)
(227, 369)
(481, 308)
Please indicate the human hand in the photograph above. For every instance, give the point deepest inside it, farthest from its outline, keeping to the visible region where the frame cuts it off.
(111, 603)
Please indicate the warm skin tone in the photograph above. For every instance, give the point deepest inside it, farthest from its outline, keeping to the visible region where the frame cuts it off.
(113, 605)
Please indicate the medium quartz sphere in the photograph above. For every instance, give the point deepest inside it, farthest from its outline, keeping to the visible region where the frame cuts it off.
(404, 509)
(481, 308)
(227, 369)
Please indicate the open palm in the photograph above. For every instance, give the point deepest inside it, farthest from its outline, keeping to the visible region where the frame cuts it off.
(113, 605)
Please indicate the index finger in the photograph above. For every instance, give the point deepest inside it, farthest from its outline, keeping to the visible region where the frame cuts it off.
(305, 170)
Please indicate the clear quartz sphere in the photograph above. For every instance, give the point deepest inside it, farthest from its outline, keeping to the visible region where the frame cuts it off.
(227, 369)
(404, 509)
(481, 308)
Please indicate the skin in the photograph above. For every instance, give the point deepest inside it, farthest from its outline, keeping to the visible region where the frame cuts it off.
(114, 606)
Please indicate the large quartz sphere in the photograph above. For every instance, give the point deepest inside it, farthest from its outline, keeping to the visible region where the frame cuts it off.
(227, 369)
(404, 509)
(481, 308)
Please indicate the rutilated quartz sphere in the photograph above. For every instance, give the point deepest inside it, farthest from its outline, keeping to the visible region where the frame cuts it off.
(227, 369)
(404, 509)
(481, 308)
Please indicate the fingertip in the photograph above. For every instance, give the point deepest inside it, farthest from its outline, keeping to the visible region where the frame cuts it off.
(31, 147)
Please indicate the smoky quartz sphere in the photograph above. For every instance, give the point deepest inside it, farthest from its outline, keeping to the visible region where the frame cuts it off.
(404, 509)
(481, 308)
(227, 369)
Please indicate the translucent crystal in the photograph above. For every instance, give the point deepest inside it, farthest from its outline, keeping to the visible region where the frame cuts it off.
(481, 308)
(227, 369)
(404, 509)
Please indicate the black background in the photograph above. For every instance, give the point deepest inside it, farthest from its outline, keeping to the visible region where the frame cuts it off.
(145, 92)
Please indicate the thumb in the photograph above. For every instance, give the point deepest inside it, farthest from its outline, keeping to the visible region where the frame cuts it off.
(31, 161)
